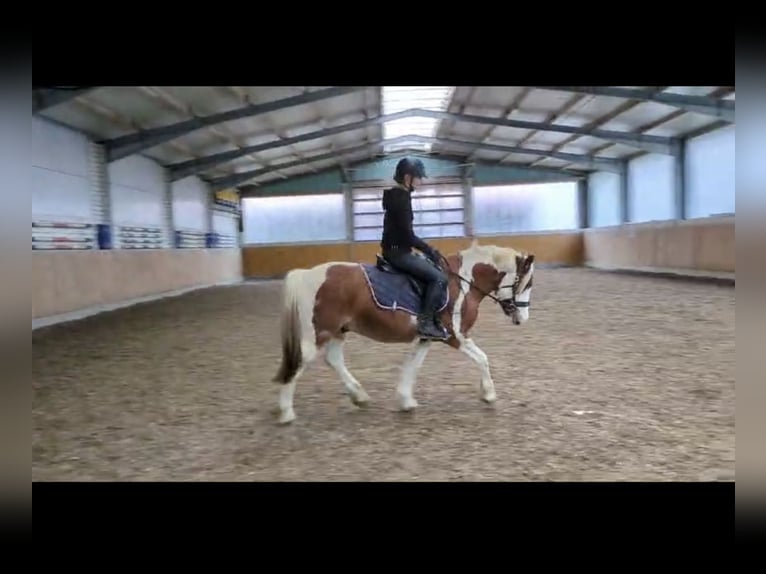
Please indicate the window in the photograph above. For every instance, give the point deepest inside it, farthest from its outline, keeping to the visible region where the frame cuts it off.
(294, 219)
(500, 209)
(438, 211)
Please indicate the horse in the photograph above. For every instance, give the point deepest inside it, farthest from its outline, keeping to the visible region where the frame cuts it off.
(323, 303)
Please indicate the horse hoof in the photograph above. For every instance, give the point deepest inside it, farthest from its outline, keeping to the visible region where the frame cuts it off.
(407, 405)
(490, 398)
(360, 401)
(287, 417)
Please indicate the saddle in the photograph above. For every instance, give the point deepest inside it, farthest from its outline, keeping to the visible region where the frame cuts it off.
(396, 290)
(383, 265)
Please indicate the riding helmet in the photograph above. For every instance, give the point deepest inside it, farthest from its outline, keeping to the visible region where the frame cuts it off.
(407, 166)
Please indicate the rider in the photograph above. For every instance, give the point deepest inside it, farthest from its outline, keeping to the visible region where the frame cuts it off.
(399, 239)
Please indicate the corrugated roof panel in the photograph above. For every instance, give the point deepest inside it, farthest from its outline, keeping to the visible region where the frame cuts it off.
(490, 112)
(550, 100)
(528, 116)
(350, 136)
(509, 134)
(588, 110)
(80, 118)
(640, 115)
(258, 138)
(494, 96)
(617, 151)
(490, 155)
(461, 96)
(248, 126)
(203, 139)
(553, 162)
(464, 130)
(204, 100)
(682, 124)
(135, 105)
(347, 117)
(341, 104)
(691, 90)
(547, 138)
(587, 142)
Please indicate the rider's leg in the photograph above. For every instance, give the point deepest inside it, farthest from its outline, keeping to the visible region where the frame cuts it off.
(436, 282)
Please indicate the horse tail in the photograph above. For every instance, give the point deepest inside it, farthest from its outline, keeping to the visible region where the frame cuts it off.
(292, 354)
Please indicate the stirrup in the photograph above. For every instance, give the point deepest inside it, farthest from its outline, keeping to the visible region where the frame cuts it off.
(429, 328)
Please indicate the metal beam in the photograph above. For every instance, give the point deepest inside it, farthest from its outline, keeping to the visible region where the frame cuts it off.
(604, 164)
(124, 146)
(711, 106)
(404, 152)
(240, 178)
(44, 98)
(595, 163)
(186, 168)
(654, 144)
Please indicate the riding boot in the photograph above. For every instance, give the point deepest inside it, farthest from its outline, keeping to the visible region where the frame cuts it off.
(429, 325)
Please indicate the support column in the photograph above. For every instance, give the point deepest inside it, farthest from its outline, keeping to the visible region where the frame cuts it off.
(348, 209)
(679, 180)
(209, 225)
(468, 218)
(167, 204)
(624, 193)
(583, 202)
(101, 200)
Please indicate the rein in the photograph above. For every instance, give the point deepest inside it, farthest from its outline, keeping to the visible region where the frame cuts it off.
(508, 305)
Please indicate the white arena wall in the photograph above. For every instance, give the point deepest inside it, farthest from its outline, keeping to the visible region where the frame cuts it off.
(653, 238)
(107, 235)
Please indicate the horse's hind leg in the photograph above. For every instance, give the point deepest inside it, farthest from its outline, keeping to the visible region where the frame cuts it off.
(410, 369)
(287, 391)
(334, 358)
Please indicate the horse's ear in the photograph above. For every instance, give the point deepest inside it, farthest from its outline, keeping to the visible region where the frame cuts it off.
(474, 243)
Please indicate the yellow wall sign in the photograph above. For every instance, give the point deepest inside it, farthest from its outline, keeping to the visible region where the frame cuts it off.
(229, 195)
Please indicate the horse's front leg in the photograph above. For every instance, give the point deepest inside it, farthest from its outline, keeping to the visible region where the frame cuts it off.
(487, 388)
(409, 373)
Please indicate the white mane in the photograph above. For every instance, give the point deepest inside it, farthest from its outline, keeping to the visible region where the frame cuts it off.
(502, 258)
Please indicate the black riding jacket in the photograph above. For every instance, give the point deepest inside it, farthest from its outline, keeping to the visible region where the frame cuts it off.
(397, 222)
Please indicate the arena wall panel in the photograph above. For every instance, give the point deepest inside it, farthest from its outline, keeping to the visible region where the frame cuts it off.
(270, 261)
(91, 281)
(705, 245)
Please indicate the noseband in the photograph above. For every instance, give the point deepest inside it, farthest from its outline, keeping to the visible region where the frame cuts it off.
(508, 305)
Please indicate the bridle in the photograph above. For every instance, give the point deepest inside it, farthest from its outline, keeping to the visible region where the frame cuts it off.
(508, 305)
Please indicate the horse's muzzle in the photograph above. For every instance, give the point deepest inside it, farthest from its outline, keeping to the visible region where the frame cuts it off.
(508, 306)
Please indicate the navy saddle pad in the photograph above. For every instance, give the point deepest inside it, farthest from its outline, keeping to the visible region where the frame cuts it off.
(393, 290)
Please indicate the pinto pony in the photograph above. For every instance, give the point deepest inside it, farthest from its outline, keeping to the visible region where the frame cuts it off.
(323, 303)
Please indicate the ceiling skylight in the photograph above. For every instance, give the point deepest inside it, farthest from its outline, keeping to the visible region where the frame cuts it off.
(399, 98)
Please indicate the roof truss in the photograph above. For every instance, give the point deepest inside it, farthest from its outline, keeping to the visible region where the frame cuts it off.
(130, 144)
(44, 98)
(657, 144)
(711, 106)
